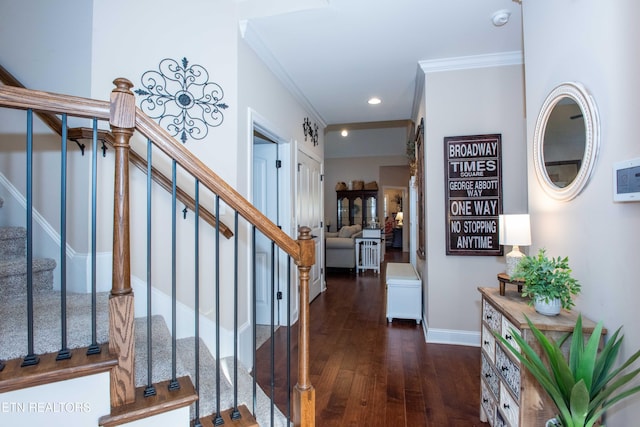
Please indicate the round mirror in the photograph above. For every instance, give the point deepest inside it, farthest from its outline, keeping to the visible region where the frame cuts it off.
(566, 141)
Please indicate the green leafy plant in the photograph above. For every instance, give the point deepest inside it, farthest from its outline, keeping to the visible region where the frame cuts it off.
(547, 278)
(584, 386)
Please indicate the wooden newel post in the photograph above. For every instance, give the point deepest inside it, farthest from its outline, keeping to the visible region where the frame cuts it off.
(304, 395)
(121, 312)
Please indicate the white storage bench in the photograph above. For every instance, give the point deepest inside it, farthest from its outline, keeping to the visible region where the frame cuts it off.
(404, 292)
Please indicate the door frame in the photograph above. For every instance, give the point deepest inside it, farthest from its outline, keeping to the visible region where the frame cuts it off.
(257, 122)
(406, 234)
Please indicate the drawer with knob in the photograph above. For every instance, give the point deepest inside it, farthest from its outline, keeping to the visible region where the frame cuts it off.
(509, 372)
(488, 403)
(509, 407)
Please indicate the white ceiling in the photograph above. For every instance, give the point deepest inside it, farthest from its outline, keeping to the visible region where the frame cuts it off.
(335, 54)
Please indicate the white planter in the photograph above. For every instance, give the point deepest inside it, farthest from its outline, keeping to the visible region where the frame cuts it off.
(553, 423)
(551, 308)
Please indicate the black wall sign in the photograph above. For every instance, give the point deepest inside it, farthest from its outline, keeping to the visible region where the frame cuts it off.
(473, 194)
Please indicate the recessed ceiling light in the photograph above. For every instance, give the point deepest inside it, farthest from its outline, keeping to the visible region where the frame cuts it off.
(344, 132)
(374, 101)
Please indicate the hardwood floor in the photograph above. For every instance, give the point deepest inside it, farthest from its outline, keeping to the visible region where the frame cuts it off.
(367, 372)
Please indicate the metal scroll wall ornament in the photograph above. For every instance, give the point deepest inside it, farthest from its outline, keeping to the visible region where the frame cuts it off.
(311, 132)
(182, 99)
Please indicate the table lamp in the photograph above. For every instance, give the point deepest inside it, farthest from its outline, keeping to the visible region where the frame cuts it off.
(514, 230)
(399, 218)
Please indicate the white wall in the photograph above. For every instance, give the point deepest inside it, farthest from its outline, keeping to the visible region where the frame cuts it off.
(467, 102)
(594, 43)
(47, 45)
(375, 142)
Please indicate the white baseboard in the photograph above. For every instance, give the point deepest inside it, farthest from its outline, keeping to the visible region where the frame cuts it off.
(455, 337)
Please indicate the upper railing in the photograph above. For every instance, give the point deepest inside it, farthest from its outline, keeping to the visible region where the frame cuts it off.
(77, 134)
(124, 119)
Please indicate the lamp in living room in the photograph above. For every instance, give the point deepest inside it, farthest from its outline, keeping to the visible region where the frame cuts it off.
(514, 230)
(399, 218)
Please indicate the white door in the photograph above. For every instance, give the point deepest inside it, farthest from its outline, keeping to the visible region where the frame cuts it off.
(309, 212)
(265, 199)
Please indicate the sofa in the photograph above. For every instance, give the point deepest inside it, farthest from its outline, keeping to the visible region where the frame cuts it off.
(339, 247)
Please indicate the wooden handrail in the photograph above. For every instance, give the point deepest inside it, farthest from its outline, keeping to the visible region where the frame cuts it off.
(50, 119)
(157, 176)
(55, 124)
(47, 102)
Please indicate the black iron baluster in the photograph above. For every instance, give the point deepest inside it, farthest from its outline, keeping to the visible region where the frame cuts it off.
(94, 348)
(272, 344)
(30, 358)
(150, 389)
(255, 323)
(64, 351)
(217, 420)
(173, 384)
(235, 414)
(197, 422)
(288, 337)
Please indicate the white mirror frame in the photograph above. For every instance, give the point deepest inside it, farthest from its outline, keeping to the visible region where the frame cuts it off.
(579, 94)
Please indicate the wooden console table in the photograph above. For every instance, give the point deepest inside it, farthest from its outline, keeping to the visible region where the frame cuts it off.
(510, 395)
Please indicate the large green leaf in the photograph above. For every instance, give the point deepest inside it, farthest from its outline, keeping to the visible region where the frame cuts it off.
(575, 353)
(606, 359)
(586, 364)
(579, 403)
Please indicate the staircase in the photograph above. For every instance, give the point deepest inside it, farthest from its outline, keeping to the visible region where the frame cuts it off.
(13, 285)
(53, 360)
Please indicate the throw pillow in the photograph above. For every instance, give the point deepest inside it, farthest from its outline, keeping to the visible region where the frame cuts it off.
(346, 231)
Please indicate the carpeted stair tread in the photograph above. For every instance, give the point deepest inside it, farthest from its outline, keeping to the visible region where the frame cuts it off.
(47, 325)
(160, 354)
(207, 395)
(14, 265)
(11, 232)
(12, 241)
(13, 274)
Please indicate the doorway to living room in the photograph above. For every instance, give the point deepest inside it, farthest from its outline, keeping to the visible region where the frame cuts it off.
(395, 213)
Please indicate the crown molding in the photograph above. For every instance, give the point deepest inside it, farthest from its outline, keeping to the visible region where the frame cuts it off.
(255, 42)
(369, 125)
(470, 62)
(417, 93)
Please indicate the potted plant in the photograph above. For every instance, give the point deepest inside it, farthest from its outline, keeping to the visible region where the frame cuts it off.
(548, 282)
(584, 386)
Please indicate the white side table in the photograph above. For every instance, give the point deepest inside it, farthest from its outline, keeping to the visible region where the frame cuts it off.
(367, 254)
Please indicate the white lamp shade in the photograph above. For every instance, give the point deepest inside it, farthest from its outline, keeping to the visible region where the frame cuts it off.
(399, 218)
(514, 230)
